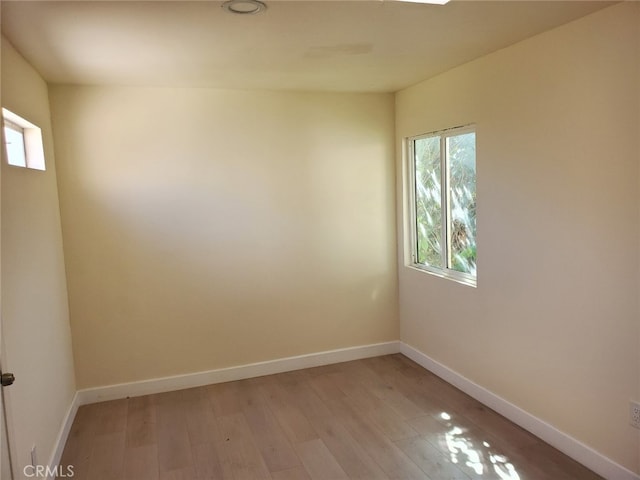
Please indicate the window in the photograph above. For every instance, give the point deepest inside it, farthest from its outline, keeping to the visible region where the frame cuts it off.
(22, 142)
(442, 191)
(14, 140)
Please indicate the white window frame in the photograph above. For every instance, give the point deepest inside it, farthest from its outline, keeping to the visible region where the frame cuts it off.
(411, 248)
(32, 140)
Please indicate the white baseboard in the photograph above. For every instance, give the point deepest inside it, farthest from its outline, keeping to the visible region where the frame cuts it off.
(190, 380)
(575, 449)
(570, 446)
(63, 434)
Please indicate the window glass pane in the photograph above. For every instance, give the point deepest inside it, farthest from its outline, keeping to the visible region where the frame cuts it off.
(428, 201)
(14, 140)
(461, 159)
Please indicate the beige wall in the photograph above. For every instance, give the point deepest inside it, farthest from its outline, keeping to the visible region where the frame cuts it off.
(553, 326)
(208, 228)
(35, 316)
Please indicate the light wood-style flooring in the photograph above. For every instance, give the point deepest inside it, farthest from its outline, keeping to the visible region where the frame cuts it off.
(379, 418)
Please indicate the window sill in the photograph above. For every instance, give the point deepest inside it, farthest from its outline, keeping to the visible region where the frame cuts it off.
(447, 275)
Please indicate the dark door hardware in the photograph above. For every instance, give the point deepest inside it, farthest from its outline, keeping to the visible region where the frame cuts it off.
(7, 379)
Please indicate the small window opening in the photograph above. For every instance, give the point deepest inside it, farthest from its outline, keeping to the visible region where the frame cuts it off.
(22, 142)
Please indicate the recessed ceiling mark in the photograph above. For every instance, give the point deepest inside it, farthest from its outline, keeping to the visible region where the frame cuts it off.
(338, 50)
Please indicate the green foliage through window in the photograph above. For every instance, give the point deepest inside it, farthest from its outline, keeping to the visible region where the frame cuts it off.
(444, 191)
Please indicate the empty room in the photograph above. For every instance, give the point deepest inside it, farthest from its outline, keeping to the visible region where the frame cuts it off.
(366, 239)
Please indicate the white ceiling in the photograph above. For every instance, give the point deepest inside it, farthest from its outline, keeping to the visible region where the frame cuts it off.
(295, 45)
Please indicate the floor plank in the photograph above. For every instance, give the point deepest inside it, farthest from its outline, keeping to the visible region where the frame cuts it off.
(430, 460)
(239, 449)
(107, 457)
(77, 451)
(141, 422)
(112, 417)
(319, 462)
(297, 473)
(208, 464)
(174, 446)
(389, 457)
(353, 459)
(141, 463)
(270, 439)
(295, 424)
